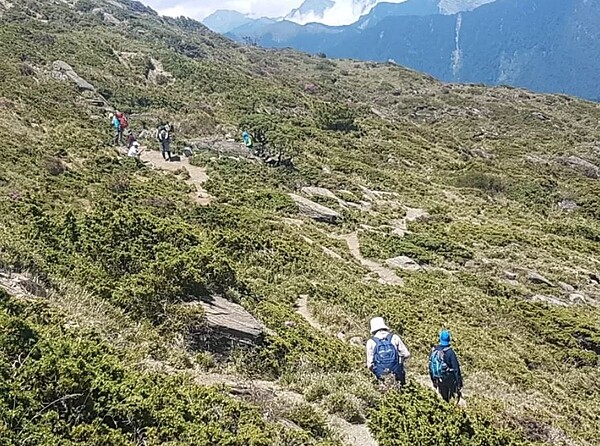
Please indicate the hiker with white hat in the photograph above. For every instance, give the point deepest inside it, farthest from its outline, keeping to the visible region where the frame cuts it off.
(386, 353)
(135, 150)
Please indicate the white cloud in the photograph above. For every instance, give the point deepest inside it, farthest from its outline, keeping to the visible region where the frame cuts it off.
(199, 9)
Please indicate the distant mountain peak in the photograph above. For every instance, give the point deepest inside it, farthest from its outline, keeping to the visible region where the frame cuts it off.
(456, 6)
(333, 12)
(225, 20)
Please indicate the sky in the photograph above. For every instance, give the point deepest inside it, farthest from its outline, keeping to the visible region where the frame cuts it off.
(199, 9)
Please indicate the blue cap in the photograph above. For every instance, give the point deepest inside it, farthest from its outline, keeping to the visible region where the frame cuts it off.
(445, 338)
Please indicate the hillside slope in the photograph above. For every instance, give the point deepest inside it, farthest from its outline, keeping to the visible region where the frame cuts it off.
(491, 192)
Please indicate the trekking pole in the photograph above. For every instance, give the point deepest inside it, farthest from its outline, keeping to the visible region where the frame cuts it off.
(459, 397)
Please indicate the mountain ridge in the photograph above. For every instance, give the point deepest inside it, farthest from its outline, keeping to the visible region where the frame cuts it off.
(458, 48)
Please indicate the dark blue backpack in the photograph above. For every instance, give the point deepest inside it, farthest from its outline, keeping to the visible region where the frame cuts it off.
(438, 368)
(385, 358)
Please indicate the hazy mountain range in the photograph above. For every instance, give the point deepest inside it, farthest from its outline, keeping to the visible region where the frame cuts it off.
(546, 45)
(336, 12)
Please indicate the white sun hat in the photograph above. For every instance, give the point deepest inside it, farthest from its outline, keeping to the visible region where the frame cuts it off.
(377, 323)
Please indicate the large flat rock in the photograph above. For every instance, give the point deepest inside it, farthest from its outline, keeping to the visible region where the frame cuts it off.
(230, 319)
(63, 70)
(316, 211)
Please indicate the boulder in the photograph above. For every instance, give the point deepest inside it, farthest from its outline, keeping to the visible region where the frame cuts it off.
(231, 320)
(537, 278)
(110, 19)
(403, 262)
(567, 205)
(158, 75)
(566, 287)
(64, 71)
(580, 165)
(322, 192)
(316, 211)
(356, 340)
(577, 298)
(548, 299)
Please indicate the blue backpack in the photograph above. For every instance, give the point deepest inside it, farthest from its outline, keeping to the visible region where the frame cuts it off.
(385, 357)
(438, 369)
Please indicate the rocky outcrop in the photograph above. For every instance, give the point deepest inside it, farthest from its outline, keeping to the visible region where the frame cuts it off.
(580, 165)
(158, 75)
(403, 262)
(230, 320)
(567, 205)
(537, 278)
(549, 300)
(63, 71)
(322, 192)
(577, 298)
(315, 211)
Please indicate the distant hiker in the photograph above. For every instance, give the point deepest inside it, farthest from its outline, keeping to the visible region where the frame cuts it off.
(135, 150)
(386, 353)
(248, 140)
(117, 126)
(120, 123)
(130, 139)
(444, 369)
(164, 137)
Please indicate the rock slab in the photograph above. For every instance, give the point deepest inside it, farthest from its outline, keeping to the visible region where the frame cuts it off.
(64, 71)
(231, 319)
(316, 211)
(580, 165)
(403, 262)
(534, 277)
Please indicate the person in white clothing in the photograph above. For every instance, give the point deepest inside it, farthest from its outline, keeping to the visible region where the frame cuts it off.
(135, 150)
(386, 353)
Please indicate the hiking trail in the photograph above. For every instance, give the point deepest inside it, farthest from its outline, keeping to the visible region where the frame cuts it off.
(306, 314)
(197, 175)
(386, 275)
(267, 394)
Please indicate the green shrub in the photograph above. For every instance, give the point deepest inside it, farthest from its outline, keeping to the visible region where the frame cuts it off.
(346, 406)
(335, 117)
(486, 182)
(308, 418)
(417, 416)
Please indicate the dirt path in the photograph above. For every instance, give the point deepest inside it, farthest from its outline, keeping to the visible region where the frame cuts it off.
(306, 314)
(412, 214)
(386, 275)
(197, 175)
(267, 393)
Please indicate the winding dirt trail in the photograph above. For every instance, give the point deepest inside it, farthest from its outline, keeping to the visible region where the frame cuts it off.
(386, 275)
(198, 175)
(303, 311)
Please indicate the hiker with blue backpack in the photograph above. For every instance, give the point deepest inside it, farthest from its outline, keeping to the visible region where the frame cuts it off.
(444, 369)
(248, 140)
(386, 353)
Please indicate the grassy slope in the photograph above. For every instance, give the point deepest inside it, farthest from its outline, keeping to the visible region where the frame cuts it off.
(72, 209)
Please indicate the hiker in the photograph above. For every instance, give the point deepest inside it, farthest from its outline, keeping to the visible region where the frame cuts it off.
(164, 137)
(386, 353)
(444, 369)
(120, 123)
(248, 141)
(130, 139)
(135, 150)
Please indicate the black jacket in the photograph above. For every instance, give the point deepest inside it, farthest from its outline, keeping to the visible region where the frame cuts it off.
(451, 361)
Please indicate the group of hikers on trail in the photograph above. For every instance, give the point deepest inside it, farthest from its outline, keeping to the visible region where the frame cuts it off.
(120, 124)
(387, 356)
